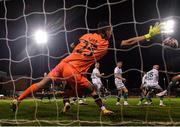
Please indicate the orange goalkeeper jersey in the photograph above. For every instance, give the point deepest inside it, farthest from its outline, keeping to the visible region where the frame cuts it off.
(91, 48)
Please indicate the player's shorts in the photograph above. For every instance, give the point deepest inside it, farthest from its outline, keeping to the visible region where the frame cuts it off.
(153, 86)
(97, 83)
(119, 84)
(66, 72)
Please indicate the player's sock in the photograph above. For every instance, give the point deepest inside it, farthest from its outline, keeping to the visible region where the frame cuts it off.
(161, 102)
(149, 98)
(33, 88)
(161, 98)
(142, 98)
(98, 101)
(118, 98)
(125, 96)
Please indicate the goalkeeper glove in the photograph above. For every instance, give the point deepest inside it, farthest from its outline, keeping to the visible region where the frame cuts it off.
(153, 31)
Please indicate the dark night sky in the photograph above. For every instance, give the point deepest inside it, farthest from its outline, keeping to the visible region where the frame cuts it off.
(75, 18)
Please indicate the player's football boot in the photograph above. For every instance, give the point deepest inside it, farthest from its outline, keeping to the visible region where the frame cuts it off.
(146, 103)
(107, 112)
(73, 102)
(126, 103)
(150, 103)
(139, 103)
(163, 93)
(118, 103)
(80, 101)
(162, 105)
(14, 105)
(66, 107)
(84, 99)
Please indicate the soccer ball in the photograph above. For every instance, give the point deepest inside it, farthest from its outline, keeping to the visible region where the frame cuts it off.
(171, 42)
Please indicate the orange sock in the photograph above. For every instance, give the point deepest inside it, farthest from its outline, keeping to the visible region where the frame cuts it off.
(33, 88)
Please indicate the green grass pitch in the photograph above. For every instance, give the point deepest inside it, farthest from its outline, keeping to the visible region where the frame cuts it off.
(36, 112)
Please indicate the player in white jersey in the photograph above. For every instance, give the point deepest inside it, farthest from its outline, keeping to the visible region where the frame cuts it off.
(96, 78)
(119, 84)
(152, 83)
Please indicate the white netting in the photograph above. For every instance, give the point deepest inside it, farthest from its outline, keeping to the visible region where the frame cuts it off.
(56, 28)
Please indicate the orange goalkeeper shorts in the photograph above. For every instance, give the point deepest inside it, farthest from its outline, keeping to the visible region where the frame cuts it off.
(66, 72)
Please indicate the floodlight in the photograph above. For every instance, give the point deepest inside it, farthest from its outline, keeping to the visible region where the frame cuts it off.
(167, 26)
(41, 36)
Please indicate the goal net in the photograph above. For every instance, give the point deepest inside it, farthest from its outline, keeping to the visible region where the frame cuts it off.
(61, 23)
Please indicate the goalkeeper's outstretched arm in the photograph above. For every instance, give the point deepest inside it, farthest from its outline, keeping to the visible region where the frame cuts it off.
(153, 31)
(133, 41)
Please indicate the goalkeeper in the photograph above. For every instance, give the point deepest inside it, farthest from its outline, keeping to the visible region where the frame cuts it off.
(91, 48)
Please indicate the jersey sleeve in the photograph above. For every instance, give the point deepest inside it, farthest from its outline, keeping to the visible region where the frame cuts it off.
(94, 71)
(156, 75)
(115, 71)
(120, 71)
